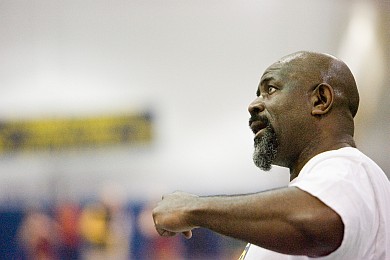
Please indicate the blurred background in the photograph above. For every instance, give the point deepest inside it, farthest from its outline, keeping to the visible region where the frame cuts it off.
(107, 105)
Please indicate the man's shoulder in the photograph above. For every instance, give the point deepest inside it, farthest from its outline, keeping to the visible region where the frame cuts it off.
(340, 158)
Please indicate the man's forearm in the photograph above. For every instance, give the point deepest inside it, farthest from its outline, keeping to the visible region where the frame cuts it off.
(287, 220)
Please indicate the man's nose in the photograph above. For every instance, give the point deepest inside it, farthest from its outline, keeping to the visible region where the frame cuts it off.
(256, 106)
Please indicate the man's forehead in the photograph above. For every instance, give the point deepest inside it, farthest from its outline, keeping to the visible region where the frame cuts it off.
(281, 66)
(271, 72)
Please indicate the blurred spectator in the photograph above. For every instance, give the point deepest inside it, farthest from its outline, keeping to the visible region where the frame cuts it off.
(67, 215)
(94, 230)
(38, 236)
(105, 227)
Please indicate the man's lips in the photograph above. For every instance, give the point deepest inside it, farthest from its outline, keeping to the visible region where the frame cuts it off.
(257, 126)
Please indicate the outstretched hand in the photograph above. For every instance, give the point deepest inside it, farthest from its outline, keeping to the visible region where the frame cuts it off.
(171, 215)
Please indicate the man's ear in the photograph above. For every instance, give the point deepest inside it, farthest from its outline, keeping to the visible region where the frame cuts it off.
(322, 99)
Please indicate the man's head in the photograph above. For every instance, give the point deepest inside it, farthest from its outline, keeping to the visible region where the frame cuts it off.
(304, 100)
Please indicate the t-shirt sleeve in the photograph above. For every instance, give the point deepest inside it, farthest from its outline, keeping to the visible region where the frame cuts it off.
(342, 185)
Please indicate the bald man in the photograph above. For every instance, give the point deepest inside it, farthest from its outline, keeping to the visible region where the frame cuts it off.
(337, 204)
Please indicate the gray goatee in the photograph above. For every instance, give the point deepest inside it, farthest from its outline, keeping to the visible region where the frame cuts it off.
(265, 149)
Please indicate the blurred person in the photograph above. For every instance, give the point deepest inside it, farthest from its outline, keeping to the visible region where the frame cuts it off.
(67, 217)
(38, 236)
(337, 204)
(94, 230)
(120, 221)
(105, 227)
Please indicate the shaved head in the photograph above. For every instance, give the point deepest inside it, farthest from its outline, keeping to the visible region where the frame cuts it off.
(313, 68)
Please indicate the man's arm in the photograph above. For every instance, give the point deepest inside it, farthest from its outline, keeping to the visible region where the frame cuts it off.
(288, 220)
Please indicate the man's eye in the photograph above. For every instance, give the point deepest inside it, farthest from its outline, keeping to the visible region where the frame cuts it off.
(271, 90)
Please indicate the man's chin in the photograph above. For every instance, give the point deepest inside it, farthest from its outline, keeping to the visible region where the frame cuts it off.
(265, 149)
(265, 168)
(268, 168)
(262, 164)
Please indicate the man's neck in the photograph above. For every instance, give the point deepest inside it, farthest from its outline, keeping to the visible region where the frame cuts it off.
(312, 150)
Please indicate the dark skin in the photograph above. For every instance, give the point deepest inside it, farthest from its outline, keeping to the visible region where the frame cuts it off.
(307, 99)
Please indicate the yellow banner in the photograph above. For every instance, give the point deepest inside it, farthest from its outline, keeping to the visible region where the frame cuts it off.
(61, 133)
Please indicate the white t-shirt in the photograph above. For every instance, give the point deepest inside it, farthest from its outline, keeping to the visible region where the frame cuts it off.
(358, 190)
